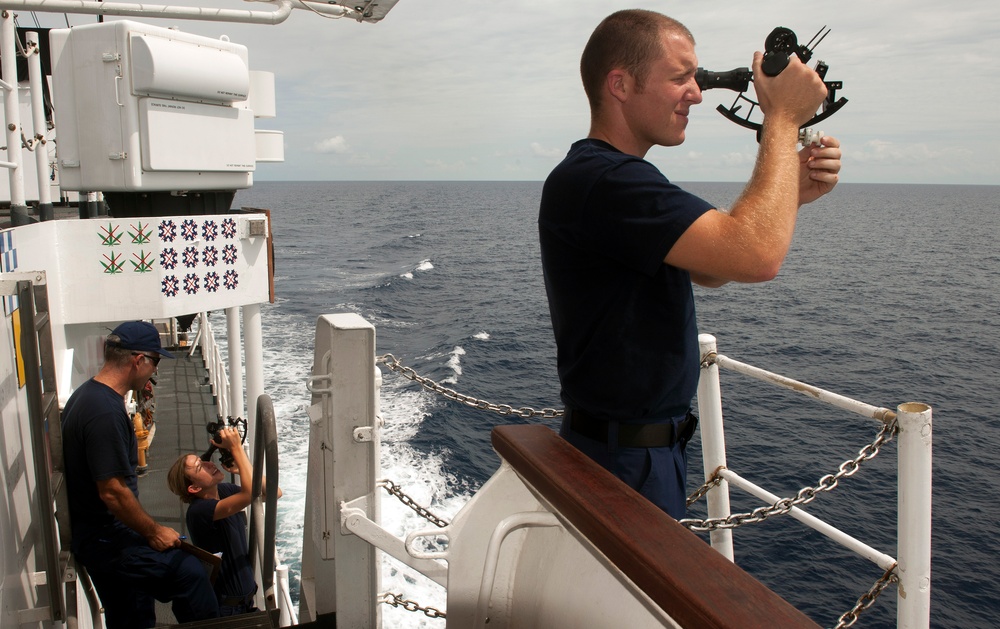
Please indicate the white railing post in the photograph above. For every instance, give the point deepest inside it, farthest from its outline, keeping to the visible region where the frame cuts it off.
(253, 347)
(914, 516)
(343, 464)
(220, 382)
(234, 342)
(286, 617)
(203, 340)
(713, 444)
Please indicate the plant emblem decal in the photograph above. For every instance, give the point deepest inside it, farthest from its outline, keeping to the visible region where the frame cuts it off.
(144, 263)
(114, 264)
(142, 233)
(111, 236)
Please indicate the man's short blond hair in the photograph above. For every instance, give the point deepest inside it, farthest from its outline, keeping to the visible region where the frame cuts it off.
(629, 40)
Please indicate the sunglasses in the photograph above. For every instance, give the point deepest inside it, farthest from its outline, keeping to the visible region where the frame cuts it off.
(154, 359)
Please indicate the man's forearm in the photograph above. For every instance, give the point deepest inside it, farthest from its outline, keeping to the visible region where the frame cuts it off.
(768, 207)
(707, 281)
(123, 505)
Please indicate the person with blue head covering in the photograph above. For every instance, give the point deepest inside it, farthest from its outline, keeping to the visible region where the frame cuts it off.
(131, 558)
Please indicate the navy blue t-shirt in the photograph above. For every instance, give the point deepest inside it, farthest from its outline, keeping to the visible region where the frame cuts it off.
(98, 443)
(623, 319)
(228, 536)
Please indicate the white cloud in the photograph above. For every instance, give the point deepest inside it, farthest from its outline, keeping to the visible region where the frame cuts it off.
(336, 144)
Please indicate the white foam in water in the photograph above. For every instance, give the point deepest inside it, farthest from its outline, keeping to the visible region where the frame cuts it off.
(481, 336)
(424, 265)
(455, 364)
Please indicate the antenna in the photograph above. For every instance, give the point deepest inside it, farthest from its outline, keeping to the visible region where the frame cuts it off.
(811, 46)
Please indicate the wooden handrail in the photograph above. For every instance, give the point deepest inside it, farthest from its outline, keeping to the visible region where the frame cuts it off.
(695, 585)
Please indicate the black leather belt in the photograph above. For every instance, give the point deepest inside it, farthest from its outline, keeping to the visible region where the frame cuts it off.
(631, 435)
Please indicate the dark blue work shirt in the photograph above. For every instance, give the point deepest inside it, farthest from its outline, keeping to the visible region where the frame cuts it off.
(227, 536)
(98, 444)
(624, 320)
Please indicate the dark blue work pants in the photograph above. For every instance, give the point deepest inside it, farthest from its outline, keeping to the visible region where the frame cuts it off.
(659, 474)
(129, 575)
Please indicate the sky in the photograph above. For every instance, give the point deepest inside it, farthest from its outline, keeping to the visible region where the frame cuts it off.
(487, 90)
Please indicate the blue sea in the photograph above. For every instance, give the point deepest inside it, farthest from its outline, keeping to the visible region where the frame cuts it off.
(889, 295)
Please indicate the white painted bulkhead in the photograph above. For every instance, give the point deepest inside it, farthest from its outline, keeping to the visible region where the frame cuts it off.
(547, 574)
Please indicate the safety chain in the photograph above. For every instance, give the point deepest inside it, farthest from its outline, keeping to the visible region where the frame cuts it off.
(704, 489)
(397, 600)
(393, 364)
(394, 490)
(868, 598)
(805, 495)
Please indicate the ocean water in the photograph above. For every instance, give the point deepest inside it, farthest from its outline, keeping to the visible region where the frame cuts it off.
(889, 294)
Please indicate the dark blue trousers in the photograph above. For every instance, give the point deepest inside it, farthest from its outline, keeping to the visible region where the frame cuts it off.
(129, 575)
(236, 610)
(659, 474)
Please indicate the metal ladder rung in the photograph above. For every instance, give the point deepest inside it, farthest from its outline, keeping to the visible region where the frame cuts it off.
(58, 478)
(41, 320)
(50, 405)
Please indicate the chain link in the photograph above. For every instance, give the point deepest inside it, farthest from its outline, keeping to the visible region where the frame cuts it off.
(704, 489)
(394, 490)
(506, 410)
(397, 600)
(804, 496)
(868, 598)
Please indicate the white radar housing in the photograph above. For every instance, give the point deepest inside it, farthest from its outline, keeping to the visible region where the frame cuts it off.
(144, 108)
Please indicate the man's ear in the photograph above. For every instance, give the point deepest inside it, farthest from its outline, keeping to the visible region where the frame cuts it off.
(194, 489)
(618, 83)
